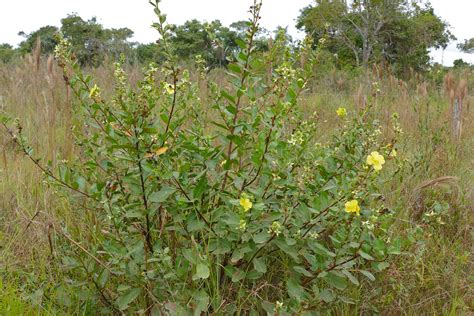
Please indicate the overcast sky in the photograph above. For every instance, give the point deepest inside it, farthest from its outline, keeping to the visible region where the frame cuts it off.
(29, 15)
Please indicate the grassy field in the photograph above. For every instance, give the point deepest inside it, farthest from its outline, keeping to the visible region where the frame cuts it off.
(432, 194)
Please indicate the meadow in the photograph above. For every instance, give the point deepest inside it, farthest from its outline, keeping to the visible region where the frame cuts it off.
(425, 191)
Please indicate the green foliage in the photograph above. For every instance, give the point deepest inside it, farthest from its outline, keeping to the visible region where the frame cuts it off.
(460, 63)
(47, 35)
(467, 46)
(409, 41)
(92, 42)
(228, 208)
(11, 303)
(6, 53)
(398, 32)
(212, 42)
(147, 53)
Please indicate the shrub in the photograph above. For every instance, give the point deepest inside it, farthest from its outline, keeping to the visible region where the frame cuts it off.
(223, 203)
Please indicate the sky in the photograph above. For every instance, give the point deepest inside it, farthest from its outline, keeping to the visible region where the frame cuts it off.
(30, 15)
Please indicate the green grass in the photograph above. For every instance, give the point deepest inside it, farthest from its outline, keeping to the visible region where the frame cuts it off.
(11, 302)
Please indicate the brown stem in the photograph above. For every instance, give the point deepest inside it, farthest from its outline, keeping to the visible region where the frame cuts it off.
(245, 74)
(148, 237)
(332, 267)
(170, 116)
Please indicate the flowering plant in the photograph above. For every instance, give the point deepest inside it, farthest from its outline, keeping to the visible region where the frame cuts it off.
(224, 208)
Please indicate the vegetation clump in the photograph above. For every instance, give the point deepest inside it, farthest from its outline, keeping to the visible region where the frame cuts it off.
(197, 192)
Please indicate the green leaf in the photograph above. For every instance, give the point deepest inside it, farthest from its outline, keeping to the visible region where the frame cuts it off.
(241, 43)
(235, 68)
(195, 224)
(295, 290)
(289, 250)
(103, 277)
(369, 275)
(302, 271)
(268, 307)
(123, 301)
(189, 255)
(327, 296)
(345, 299)
(200, 187)
(351, 277)
(223, 247)
(228, 97)
(134, 213)
(237, 275)
(202, 271)
(253, 275)
(395, 247)
(202, 302)
(354, 244)
(162, 195)
(320, 249)
(259, 265)
(81, 183)
(365, 255)
(337, 281)
(380, 266)
(261, 237)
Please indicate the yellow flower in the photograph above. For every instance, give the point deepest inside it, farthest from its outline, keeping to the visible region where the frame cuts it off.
(245, 203)
(393, 153)
(169, 88)
(376, 160)
(156, 153)
(353, 207)
(341, 112)
(95, 92)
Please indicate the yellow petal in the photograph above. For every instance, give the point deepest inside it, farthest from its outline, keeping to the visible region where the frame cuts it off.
(161, 151)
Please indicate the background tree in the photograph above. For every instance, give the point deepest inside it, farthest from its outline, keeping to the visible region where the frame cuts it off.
(117, 42)
(91, 42)
(47, 36)
(146, 53)
(213, 41)
(460, 63)
(6, 53)
(261, 37)
(399, 31)
(467, 46)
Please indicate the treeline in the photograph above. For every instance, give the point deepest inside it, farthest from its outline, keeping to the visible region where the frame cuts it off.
(354, 35)
(90, 40)
(92, 43)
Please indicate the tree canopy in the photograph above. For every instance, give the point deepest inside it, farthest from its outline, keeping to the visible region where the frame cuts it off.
(467, 46)
(6, 53)
(90, 40)
(400, 32)
(47, 37)
(213, 41)
(359, 32)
